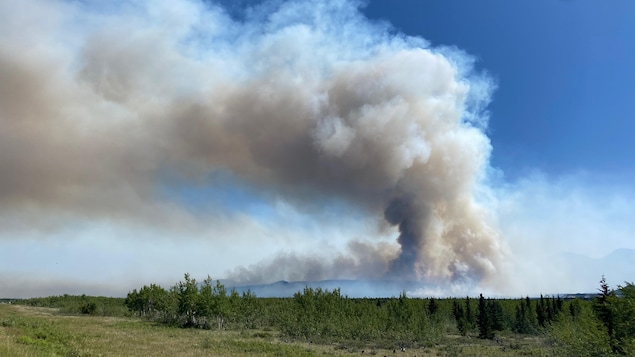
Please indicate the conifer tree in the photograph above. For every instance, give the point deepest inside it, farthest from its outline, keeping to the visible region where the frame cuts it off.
(483, 320)
(574, 309)
(524, 322)
(531, 313)
(459, 316)
(495, 311)
(469, 313)
(433, 307)
(602, 306)
(541, 312)
(550, 307)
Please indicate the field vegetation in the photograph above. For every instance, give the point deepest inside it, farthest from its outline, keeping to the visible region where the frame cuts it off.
(204, 319)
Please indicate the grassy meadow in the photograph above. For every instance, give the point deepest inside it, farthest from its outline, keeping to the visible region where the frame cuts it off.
(38, 331)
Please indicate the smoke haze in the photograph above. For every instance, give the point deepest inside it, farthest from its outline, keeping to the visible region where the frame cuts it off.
(105, 110)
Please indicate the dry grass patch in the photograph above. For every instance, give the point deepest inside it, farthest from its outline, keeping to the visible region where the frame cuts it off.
(30, 331)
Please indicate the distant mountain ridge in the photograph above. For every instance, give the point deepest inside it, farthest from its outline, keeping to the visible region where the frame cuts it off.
(618, 267)
(350, 288)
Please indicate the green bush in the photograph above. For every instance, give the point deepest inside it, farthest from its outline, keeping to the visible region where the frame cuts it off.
(89, 308)
(584, 336)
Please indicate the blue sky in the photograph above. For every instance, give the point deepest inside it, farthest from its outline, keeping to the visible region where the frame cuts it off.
(564, 71)
(314, 140)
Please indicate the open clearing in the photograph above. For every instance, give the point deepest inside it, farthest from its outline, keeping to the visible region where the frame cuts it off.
(31, 331)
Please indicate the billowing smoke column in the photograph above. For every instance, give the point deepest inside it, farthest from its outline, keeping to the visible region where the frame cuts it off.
(303, 99)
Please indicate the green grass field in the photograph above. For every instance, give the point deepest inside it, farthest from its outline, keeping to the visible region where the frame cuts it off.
(35, 331)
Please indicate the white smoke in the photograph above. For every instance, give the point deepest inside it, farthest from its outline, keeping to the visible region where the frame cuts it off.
(102, 106)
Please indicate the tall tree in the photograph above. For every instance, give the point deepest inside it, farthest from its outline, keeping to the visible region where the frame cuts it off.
(187, 300)
(221, 306)
(134, 302)
(205, 302)
(524, 321)
(495, 311)
(541, 312)
(483, 320)
(602, 306)
(624, 320)
(459, 316)
(433, 307)
(469, 313)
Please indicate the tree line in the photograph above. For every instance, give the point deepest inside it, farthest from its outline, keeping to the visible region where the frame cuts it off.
(607, 323)
(602, 326)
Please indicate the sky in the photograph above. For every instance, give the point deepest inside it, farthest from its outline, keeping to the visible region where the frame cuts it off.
(563, 74)
(469, 146)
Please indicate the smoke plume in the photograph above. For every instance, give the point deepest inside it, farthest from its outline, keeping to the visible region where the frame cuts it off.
(103, 106)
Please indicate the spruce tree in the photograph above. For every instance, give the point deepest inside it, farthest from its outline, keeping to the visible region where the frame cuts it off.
(602, 306)
(541, 312)
(469, 313)
(550, 307)
(459, 316)
(433, 307)
(495, 311)
(483, 320)
(523, 322)
(574, 309)
(559, 304)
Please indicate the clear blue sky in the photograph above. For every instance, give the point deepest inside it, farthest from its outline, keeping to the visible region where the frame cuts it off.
(565, 72)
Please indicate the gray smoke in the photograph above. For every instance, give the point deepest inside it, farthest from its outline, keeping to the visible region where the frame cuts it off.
(302, 100)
